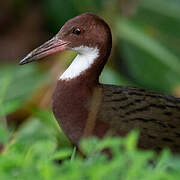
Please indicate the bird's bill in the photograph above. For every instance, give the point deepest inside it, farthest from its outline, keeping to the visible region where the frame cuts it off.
(50, 47)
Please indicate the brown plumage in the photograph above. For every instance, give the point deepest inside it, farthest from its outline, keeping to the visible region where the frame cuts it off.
(156, 116)
(84, 107)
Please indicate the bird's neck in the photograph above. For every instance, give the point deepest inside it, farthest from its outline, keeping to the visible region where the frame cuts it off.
(87, 65)
(73, 95)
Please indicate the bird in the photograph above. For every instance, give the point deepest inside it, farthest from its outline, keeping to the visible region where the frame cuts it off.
(84, 107)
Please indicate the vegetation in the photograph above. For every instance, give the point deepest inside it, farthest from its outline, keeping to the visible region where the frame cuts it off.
(146, 53)
(34, 152)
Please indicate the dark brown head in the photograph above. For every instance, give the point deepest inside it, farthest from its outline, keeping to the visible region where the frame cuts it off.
(85, 30)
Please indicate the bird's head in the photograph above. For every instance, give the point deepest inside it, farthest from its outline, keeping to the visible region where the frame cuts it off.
(78, 34)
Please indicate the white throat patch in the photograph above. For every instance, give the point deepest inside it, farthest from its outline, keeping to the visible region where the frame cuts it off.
(86, 56)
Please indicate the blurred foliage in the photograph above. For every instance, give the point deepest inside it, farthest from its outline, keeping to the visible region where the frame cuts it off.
(150, 44)
(146, 53)
(16, 85)
(35, 153)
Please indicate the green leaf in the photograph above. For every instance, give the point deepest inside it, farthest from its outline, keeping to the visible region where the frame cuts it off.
(131, 141)
(110, 76)
(62, 154)
(10, 107)
(4, 134)
(131, 33)
(163, 7)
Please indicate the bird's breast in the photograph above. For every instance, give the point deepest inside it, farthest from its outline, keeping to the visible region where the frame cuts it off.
(71, 105)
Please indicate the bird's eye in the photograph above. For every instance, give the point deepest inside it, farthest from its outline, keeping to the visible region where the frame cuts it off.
(77, 31)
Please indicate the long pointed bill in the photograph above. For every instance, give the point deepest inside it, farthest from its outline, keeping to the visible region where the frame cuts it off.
(52, 46)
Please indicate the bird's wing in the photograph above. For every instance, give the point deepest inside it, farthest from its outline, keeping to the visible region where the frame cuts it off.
(157, 116)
